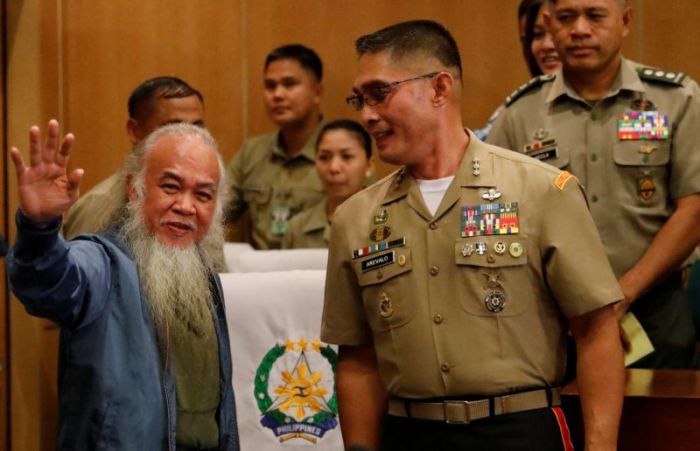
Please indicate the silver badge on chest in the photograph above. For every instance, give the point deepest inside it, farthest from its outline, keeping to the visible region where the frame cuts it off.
(491, 194)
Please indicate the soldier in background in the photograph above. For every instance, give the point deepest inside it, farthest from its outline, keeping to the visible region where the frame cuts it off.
(630, 134)
(344, 164)
(273, 176)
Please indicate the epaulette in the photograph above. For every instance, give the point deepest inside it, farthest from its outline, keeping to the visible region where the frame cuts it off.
(653, 74)
(533, 83)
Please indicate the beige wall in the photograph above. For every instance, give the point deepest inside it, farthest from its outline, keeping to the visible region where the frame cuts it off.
(78, 60)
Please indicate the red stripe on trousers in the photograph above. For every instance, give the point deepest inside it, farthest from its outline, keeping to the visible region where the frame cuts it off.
(563, 429)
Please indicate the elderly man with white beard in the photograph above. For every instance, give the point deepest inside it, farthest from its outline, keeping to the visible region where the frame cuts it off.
(145, 360)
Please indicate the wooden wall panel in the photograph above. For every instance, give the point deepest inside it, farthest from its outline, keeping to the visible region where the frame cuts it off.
(32, 98)
(4, 294)
(78, 60)
(110, 47)
(667, 35)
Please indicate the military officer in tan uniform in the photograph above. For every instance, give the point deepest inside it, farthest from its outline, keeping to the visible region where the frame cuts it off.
(630, 135)
(273, 176)
(344, 164)
(451, 282)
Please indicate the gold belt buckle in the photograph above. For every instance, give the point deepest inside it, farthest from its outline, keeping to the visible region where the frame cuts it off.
(463, 404)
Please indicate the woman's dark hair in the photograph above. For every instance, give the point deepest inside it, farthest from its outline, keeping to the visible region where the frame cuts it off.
(530, 18)
(355, 128)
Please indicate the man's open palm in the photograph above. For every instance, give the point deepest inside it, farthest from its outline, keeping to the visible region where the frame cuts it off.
(46, 190)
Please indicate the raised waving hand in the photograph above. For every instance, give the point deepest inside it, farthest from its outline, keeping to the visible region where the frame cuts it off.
(46, 190)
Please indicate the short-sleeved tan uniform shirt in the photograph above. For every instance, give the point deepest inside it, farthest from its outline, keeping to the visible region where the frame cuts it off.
(87, 214)
(472, 300)
(272, 186)
(634, 151)
(308, 229)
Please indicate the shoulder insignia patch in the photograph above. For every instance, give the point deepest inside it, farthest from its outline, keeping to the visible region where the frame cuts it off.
(560, 180)
(533, 83)
(653, 74)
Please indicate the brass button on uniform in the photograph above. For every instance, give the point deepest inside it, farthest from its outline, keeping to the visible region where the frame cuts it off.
(437, 318)
(434, 270)
(445, 367)
(380, 274)
(491, 259)
(402, 260)
(433, 226)
(516, 249)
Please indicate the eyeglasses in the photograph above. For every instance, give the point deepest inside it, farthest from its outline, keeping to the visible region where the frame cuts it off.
(374, 95)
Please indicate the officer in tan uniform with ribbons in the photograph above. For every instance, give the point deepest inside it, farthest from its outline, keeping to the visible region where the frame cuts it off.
(451, 282)
(273, 176)
(630, 135)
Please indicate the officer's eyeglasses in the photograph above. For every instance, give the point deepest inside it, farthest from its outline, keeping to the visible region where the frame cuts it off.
(374, 95)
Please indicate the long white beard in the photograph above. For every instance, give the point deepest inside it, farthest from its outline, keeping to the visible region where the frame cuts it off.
(117, 206)
(176, 281)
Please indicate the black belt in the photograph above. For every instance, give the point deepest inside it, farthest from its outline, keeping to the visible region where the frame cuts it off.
(463, 412)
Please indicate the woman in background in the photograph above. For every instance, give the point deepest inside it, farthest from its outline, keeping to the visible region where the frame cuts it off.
(538, 47)
(538, 50)
(343, 162)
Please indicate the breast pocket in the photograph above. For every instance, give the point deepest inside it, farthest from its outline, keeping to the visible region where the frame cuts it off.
(642, 153)
(256, 194)
(643, 168)
(385, 279)
(493, 276)
(563, 158)
(303, 198)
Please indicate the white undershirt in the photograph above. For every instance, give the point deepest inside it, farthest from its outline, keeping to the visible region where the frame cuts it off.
(433, 191)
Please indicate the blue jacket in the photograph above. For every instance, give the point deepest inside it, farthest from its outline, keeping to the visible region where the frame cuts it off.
(114, 392)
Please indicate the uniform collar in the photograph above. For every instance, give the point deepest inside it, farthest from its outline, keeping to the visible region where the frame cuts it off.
(404, 184)
(626, 80)
(629, 78)
(477, 150)
(308, 151)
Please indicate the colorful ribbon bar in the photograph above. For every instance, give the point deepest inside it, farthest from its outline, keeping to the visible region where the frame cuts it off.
(378, 247)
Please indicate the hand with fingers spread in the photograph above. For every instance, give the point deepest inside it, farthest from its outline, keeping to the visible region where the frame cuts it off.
(46, 190)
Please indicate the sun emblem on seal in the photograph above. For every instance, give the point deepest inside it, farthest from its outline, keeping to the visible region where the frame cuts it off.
(295, 390)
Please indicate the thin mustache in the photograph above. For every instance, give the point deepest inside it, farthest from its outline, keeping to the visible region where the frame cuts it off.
(192, 227)
(582, 46)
